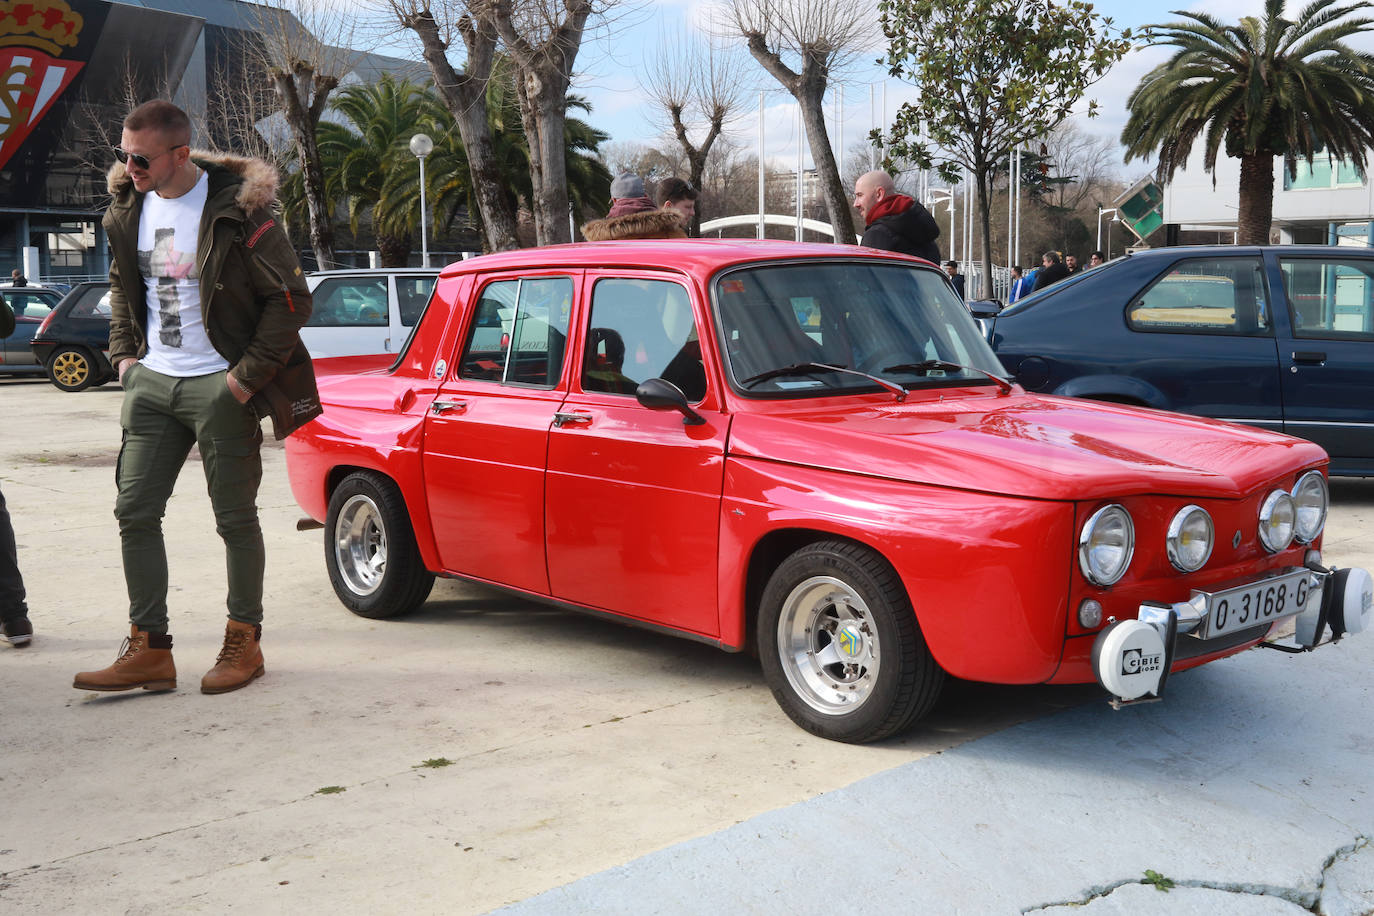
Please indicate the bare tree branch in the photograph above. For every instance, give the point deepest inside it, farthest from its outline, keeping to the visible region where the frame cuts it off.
(543, 37)
(697, 87)
(464, 94)
(306, 47)
(801, 43)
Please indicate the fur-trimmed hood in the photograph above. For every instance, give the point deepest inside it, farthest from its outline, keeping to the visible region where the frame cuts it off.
(258, 179)
(650, 224)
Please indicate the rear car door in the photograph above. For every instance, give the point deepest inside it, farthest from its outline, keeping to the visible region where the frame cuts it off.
(487, 431)
(1328, 377)
(634, 494)
(1205, 338)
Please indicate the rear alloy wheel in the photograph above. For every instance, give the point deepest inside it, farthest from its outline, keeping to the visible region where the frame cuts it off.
(72, 369)
(369, 548)
(840, 646)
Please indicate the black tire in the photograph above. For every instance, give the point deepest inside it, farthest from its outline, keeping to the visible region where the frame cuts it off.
(840, 646)
(369, 548)
(73, 369)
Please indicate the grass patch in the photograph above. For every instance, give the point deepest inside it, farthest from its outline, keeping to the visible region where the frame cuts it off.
(330, 790)
(1157, 881)
(434, 763)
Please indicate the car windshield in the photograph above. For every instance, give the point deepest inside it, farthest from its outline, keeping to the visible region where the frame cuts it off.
(783, 325)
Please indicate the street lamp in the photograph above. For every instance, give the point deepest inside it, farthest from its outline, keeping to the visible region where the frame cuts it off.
(422, 146)
(1100, 213)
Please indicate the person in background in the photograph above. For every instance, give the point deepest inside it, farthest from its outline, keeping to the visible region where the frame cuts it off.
(1052, 270)
(1021, 285)
(892, 221)
(1071, 263)
(15, 628)
(1096, 259)
(679, 196)
(956, 279)
(17, 278)
(633, 215)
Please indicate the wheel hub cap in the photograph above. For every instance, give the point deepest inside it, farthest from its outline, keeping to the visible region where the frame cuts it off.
(828, 645)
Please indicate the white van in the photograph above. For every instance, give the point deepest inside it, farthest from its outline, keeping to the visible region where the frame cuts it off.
(364, 310)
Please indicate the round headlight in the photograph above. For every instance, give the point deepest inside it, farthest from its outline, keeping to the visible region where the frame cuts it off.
(1190, 538)
(1105, 545)
(1276, 521)
(1309, 501)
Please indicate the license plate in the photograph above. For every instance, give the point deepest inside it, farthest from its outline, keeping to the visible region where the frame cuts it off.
(1259, 602)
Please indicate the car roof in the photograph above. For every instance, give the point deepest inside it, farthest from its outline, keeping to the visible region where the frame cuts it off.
(28, 286)
(380, 271)
(1252, 250)
(701, 257)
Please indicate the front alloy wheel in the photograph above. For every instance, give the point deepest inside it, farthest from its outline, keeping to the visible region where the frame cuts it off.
(840, 646)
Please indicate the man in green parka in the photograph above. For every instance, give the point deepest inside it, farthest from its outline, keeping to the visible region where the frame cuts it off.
(207, 299)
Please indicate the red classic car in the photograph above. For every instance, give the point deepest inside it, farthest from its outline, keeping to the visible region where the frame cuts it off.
(807, 451)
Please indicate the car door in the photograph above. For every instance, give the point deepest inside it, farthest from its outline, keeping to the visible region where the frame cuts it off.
(634, 494)
(349, 316)
(30, 307)
(1204, 337)
(1328, 364)
(486, 433)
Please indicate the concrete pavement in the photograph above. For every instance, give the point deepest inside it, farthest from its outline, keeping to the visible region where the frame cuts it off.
(484, 751)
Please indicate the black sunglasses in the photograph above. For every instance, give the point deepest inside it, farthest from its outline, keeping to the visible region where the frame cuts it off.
(143, 161)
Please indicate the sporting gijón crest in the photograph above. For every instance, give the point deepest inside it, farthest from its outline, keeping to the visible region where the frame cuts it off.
(33, 36)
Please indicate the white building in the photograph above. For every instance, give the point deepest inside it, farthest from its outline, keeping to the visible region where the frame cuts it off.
(1328, 202)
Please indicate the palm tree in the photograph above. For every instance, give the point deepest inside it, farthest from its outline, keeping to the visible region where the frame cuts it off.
(368, 163)
(1266, 87)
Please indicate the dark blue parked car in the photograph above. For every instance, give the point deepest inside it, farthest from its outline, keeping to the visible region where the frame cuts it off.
(1275, 336)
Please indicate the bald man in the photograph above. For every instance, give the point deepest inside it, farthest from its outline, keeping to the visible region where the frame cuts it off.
(892, 221)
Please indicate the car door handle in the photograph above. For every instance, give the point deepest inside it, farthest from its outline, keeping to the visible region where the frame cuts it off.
(443, 407)
(563, 418)
(1313, 357)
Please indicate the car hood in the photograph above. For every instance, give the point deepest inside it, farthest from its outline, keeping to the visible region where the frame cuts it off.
(1026, 445)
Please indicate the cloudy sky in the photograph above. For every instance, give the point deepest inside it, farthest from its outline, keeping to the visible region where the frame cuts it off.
(619, 49)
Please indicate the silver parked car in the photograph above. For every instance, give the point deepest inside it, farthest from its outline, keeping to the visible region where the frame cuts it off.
(365, 310)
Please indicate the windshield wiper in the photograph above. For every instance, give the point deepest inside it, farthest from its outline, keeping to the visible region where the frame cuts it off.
(1003, 386)
(809, 368)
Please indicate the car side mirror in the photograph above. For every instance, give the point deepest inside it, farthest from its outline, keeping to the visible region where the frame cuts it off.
(985, 308)
(660, 394)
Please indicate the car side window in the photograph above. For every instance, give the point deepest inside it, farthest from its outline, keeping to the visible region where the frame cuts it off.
(93, 304)
(1330, 298)
(519, 332)
(412, 295)
(1205, 296)
(642, 329)
(29, 304)
(350, 302)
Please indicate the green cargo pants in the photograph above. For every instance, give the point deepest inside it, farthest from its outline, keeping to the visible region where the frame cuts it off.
(162, 416)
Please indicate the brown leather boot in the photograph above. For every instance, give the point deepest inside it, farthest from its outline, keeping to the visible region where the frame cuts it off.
(239, 662)
(145, 660)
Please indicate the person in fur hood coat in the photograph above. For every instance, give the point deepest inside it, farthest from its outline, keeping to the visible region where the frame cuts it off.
(633, 216)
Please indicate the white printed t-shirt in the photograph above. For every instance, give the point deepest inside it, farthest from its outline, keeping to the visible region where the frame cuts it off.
(167, 234)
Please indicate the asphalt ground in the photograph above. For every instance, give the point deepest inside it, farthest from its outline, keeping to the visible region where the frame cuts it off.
(486, 751)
